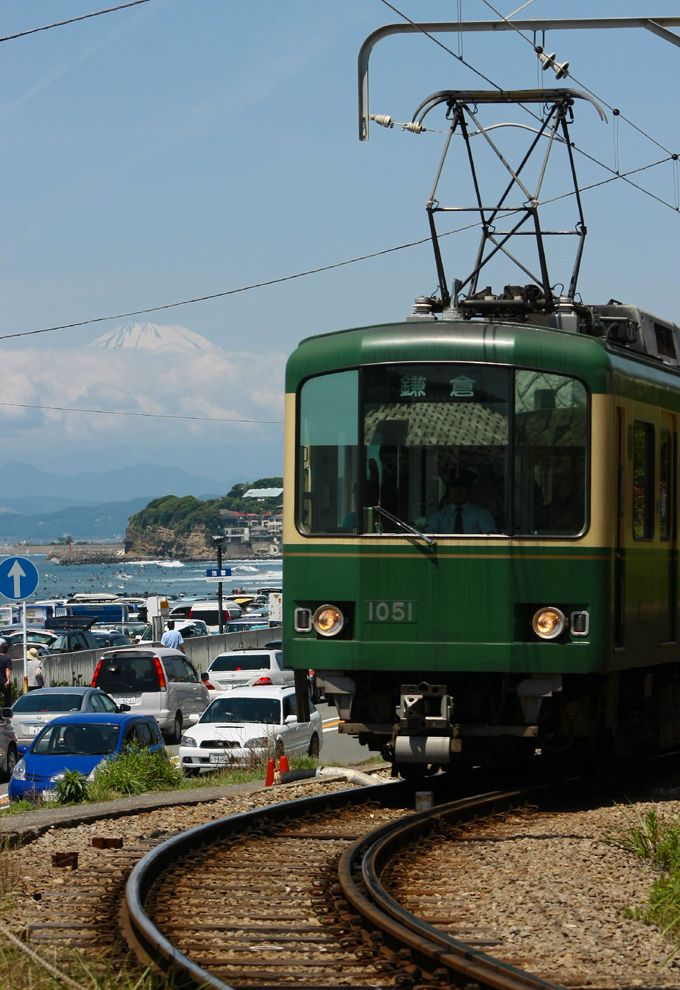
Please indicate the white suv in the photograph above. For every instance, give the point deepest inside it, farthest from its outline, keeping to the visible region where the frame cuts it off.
(154, 680)
(240, 668)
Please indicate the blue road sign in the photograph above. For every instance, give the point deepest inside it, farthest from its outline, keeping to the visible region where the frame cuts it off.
(218, 572)
(18, 578)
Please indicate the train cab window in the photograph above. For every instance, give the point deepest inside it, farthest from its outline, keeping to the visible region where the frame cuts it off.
(327, 468)
(550, 454)
(379, 451)
(643, 481)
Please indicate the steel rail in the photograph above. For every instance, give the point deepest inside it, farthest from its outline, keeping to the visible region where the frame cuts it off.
(369, 855)
(145, 938)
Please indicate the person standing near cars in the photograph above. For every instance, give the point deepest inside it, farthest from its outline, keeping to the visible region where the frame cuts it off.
(172, 637)
(5, 673)
(34, 669)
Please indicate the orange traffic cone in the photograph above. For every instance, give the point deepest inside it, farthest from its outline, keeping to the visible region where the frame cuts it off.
(283, 764)
(269, 779)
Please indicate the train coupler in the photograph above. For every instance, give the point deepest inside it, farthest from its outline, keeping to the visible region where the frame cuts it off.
(425, 732)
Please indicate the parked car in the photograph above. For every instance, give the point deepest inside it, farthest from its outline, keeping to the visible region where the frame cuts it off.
(8, 744)
(62, 639)
(245, 625)
(155, 680)
(208, 612)
(110, 637)
(243, 667)
(31, 712)
(38, 637)
(79, 742)
(188, 628)
(246, 725)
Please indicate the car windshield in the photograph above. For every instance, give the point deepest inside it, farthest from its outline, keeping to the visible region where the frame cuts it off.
(76, 740)
(267, 710)
(33, 702)
(239, 661)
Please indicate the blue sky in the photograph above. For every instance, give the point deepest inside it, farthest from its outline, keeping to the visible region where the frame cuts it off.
(184, 148)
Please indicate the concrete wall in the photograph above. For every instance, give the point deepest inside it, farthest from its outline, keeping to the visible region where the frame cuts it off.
(78, 668)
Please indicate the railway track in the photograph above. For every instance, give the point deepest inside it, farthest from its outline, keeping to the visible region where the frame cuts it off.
(291, 896)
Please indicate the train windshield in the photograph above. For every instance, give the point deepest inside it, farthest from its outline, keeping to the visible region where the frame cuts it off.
(459, 449)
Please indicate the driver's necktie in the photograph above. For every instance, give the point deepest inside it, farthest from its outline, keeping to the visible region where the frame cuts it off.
(458, 520)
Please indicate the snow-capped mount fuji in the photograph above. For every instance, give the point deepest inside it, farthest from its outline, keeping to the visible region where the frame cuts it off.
(153, 337)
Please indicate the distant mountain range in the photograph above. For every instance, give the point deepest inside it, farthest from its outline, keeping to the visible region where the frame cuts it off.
(21, 480)
(106, 521)
(89, 505)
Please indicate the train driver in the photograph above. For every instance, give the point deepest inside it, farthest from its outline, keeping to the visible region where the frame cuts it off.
(457, 513)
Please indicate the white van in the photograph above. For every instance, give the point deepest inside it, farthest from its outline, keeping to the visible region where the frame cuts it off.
(208, 612)
(156, 681)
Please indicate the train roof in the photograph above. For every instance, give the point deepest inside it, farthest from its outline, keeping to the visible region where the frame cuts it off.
(586, 343)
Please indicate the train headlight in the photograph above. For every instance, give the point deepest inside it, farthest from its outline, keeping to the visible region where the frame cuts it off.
(328, 620)
(548, 622)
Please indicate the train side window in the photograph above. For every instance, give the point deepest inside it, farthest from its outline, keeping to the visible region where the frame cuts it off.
(665, 344)
(643, 480)
(665, 483)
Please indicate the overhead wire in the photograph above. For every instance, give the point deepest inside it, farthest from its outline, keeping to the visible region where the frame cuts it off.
(144, 415)
(614, 175)
(615, 110)
(73, 20)
(671, 155)
(217, 295)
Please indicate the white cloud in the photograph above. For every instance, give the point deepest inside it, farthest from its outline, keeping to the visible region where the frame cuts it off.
(213, 383)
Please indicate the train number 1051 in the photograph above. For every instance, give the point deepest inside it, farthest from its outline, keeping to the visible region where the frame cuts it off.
(391, 612)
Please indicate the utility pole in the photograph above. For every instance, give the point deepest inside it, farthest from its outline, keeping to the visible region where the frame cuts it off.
(218, 541)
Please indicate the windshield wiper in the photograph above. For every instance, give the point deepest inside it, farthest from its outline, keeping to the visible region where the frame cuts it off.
(404, 525)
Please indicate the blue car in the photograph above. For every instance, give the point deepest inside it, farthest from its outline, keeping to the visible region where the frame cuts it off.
(79, 742)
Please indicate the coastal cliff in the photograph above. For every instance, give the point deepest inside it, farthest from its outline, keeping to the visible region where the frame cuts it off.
(163, 542)
(182, 528)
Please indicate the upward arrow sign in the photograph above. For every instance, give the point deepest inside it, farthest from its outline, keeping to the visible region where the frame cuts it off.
(16, 572)
(18, 578)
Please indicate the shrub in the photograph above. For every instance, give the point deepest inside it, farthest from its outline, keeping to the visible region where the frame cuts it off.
(72, 788)
(134, 772)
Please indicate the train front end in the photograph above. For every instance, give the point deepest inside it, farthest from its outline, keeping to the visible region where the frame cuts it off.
(446, 574)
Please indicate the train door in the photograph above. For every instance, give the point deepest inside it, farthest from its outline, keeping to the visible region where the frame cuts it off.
(620, 552)
(668, 440)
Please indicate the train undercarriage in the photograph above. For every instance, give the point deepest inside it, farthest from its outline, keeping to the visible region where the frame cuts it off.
(501, 720)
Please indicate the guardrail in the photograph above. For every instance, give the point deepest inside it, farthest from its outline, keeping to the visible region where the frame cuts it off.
(78, 668)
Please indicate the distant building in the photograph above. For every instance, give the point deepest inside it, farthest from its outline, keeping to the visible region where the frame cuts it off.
(260, 494)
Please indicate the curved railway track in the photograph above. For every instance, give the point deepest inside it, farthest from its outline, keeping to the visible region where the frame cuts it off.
(291, 896)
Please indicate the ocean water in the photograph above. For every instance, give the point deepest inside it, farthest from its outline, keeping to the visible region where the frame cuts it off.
(174, 578)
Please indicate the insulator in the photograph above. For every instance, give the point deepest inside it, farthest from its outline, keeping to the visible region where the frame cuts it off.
(382, 118)
(413, 126)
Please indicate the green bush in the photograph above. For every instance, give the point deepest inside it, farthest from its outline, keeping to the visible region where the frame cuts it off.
(134, 772)
(72, 788)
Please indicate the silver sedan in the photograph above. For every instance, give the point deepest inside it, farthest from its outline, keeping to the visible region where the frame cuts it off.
(34, 710)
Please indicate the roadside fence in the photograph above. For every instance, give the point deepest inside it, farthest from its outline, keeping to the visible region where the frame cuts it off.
(78, 668)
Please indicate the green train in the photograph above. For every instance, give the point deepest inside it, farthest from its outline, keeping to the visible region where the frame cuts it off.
(555, 628)
(480, 527)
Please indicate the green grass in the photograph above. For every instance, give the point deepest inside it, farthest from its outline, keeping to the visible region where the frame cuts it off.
(657, 841)
(134, 772)
(139, 771)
